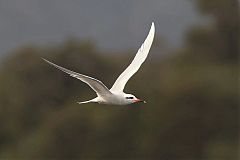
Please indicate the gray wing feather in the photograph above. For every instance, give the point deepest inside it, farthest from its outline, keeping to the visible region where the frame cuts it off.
(95, 84)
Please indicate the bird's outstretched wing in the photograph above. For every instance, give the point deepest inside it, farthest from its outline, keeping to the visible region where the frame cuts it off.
(95, 84)
(140, 57)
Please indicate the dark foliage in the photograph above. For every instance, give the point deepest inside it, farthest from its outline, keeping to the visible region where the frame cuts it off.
(192, 110)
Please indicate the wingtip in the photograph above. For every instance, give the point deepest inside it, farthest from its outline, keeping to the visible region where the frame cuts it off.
(153, 25)
(152, 29)
(43, 59)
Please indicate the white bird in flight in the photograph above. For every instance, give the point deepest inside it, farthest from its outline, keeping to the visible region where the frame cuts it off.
(115, 95)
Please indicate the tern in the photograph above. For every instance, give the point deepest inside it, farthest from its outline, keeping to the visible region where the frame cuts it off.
(115, 96)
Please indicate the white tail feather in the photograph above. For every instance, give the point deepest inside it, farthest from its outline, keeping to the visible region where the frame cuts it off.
(89, 101)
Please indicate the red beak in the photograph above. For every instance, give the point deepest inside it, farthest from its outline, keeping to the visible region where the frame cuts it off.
(138, 100)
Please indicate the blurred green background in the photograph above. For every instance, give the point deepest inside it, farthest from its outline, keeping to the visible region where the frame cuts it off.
(192, 94)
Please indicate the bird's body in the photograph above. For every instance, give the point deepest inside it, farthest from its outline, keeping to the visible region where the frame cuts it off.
(114, 99)
(115, 95)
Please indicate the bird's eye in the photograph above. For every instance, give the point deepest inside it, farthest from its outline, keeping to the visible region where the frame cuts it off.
(129, 97)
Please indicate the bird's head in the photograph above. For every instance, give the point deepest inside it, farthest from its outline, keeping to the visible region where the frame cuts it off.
(132, 99)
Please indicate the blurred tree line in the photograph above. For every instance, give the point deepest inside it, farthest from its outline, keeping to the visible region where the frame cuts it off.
(192, 110)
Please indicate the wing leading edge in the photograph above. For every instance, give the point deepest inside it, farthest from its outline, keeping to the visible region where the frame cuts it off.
(140, 57)
(95, 84)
